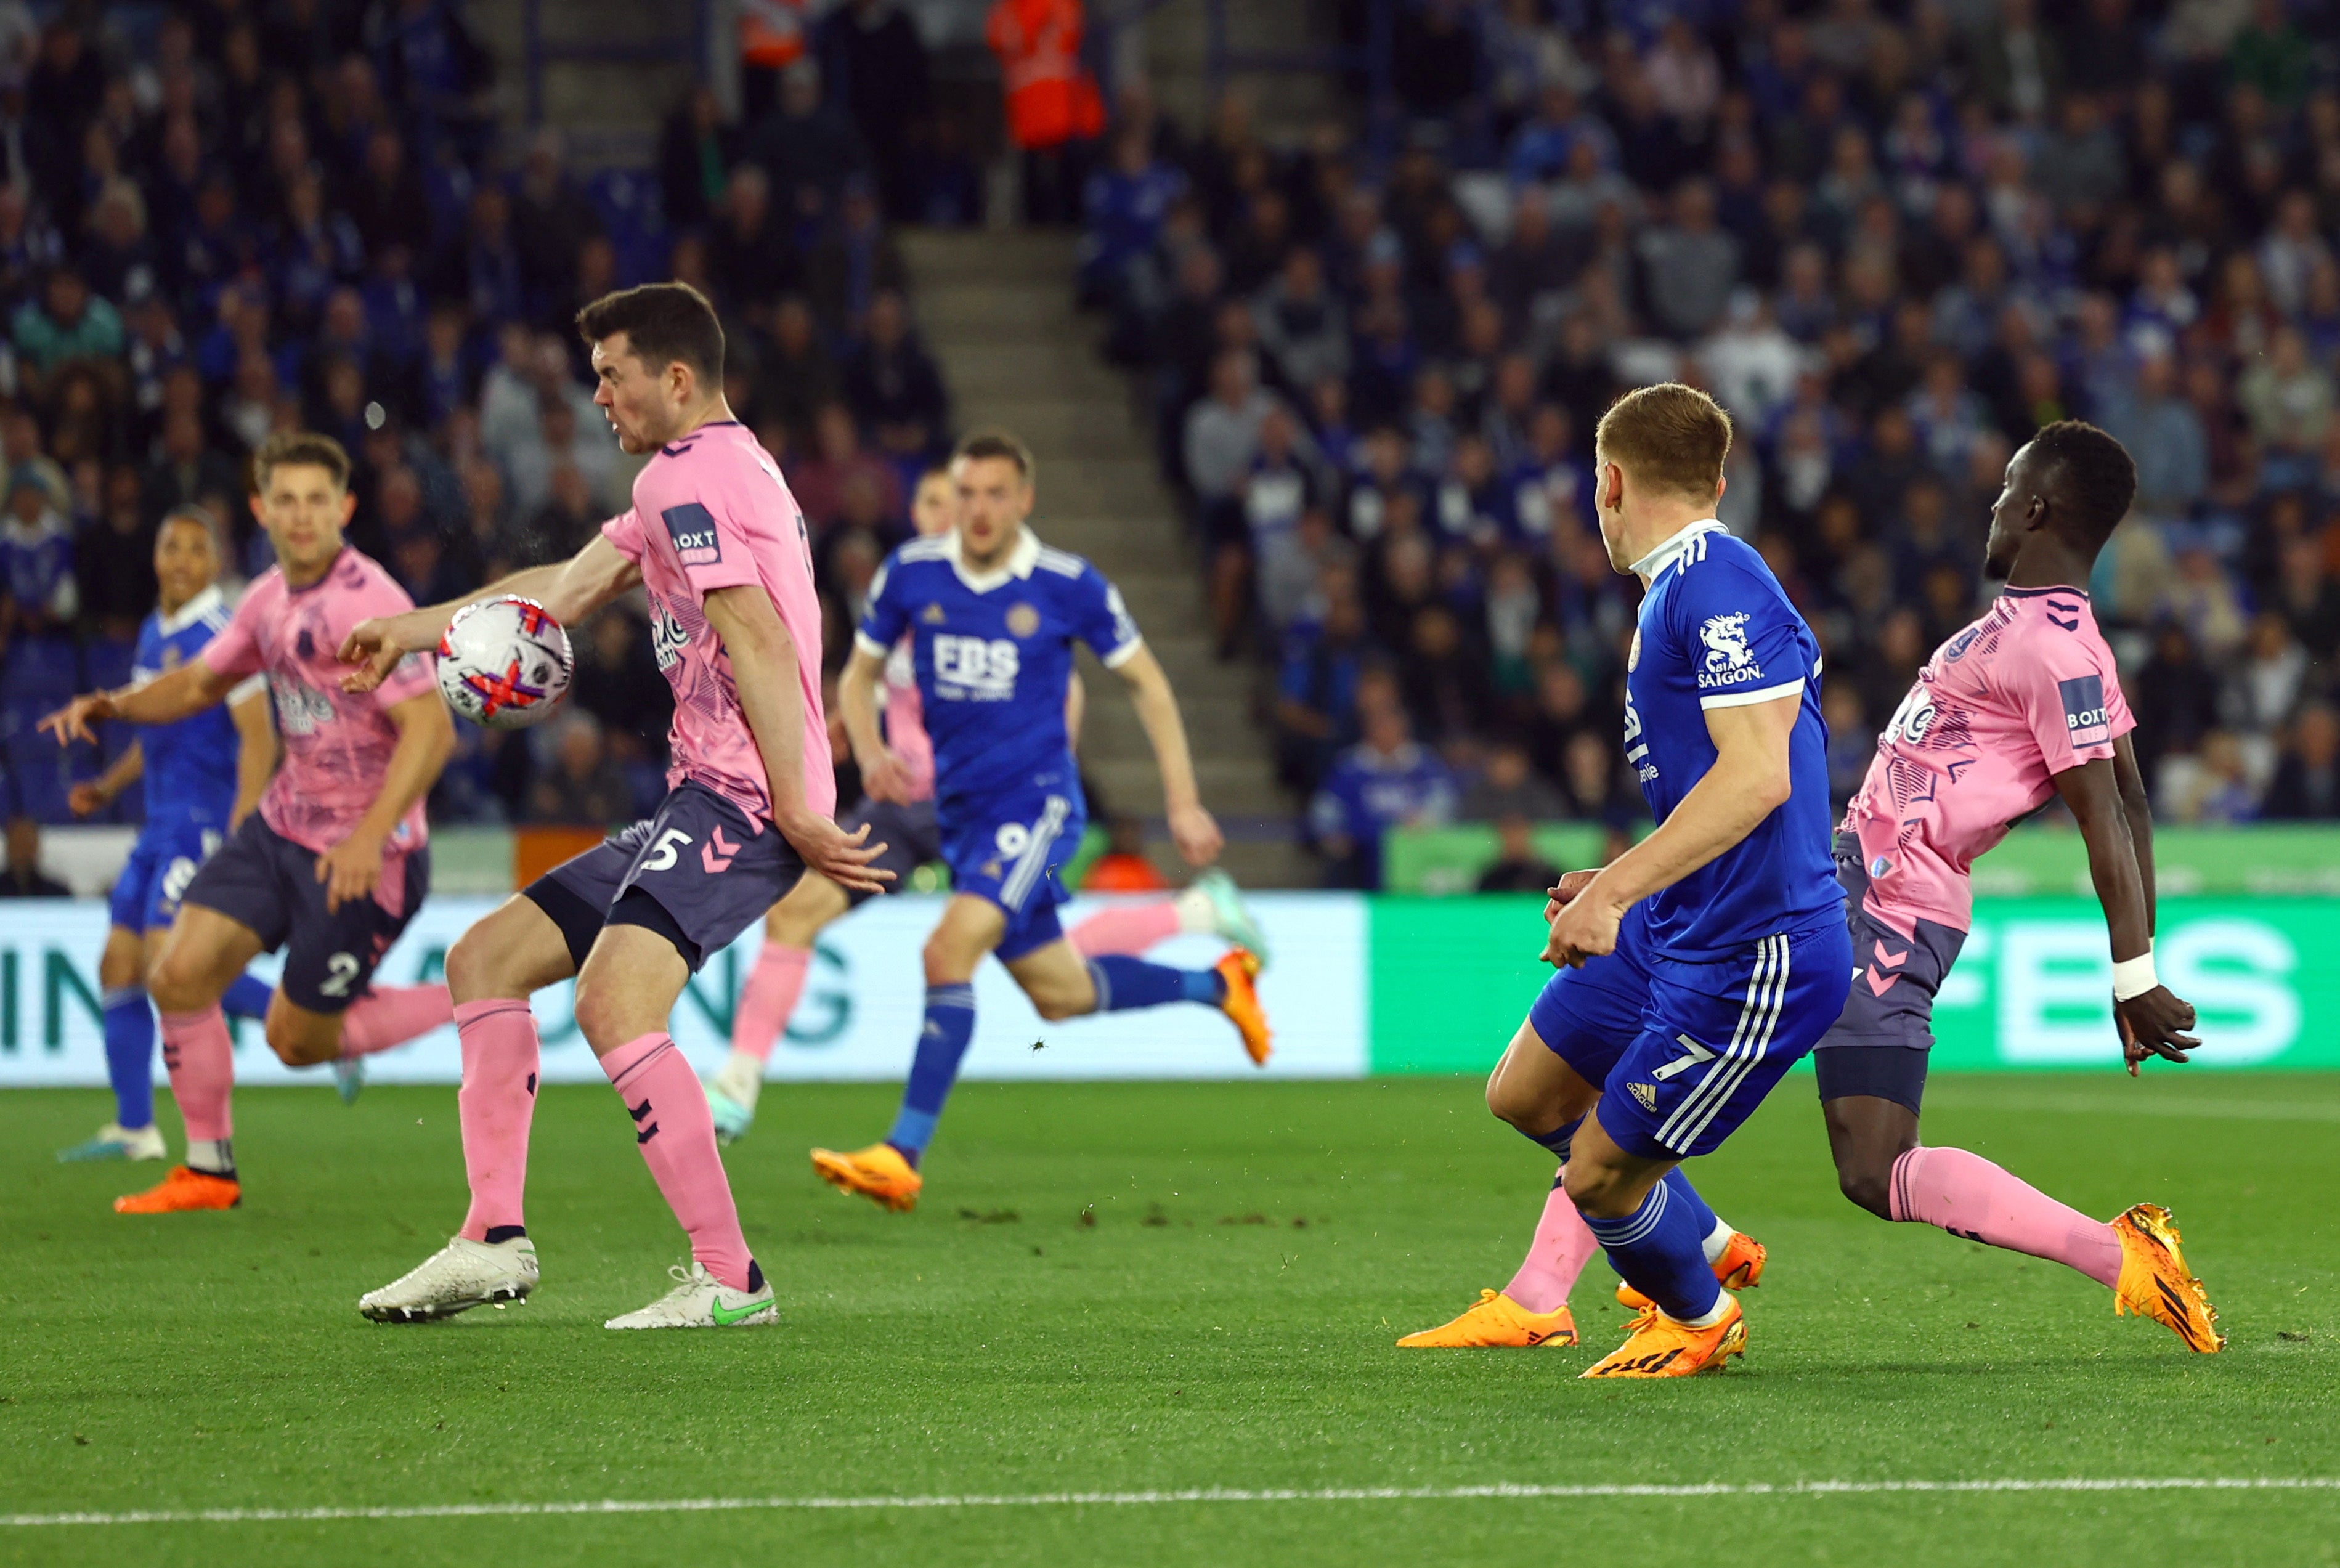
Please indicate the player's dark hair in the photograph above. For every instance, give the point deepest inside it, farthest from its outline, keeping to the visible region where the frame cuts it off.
(985, 443)
(663, 322)
(2092, 477)
(194, 516)
(1668, 436)
(300, 448)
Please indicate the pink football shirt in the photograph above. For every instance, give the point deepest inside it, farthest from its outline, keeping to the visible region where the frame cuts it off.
(711, 511)
(2025, 693)
(337, 744)
(905, 721)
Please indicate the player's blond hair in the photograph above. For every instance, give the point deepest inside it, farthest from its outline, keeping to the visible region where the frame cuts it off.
(1668, 436)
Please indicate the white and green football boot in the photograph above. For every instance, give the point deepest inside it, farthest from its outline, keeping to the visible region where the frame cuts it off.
(115, 1142)
(699, 1300)
(1230, 918)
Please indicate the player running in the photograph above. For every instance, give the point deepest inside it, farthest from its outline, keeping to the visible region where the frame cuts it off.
(1702, 962)
(719, 546)
(2021, 707)
(993, 615)
(203, 777)
(908, 829)
(333, 864)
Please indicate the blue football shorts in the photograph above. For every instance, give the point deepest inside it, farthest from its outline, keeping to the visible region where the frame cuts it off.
(1012, 849)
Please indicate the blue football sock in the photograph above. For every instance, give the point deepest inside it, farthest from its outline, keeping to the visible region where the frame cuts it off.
(247, 997)
(1680, 1192)
(942, 1045)
(1656, 1250)
(129, 1027)
(1556, 1140)
(1124, 983)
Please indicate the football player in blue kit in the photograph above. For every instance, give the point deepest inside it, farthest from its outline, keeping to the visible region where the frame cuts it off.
(1700, 964)
(203, 777)
(993, 615)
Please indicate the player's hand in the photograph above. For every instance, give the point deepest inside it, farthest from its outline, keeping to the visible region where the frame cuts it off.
(1560, 892)
(887, 778)
(1196, 833)
(843, 857)
(2155, 1025)
(87, 798)
(376, 644)
(72, 722)
(1586, 928)
(351, 871)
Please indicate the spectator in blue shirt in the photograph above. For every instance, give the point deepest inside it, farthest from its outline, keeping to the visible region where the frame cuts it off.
(1316, 688)
(1126, 202)
(1384, 781)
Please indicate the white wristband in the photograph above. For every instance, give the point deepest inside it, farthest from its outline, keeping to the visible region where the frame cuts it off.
(2133, 976)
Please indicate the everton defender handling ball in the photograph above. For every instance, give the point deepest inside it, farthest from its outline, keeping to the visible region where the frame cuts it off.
(718, 544)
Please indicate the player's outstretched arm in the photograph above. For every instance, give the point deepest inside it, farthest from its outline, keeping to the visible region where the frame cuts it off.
(570, 591)
(883, 776)
(764, 667)
(2152, 1020)
(255, 753)
(1192, 829)
(426, 739)
(190, 688)
(1749, 781)
(93, 795)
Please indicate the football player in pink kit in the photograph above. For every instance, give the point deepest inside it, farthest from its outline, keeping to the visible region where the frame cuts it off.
(334, 863)
(901, 813)
(2021, 707)
(718, 545)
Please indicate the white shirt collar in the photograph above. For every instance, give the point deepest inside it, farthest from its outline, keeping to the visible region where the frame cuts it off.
(1673, 549)
(194, 610)
(1019, 562)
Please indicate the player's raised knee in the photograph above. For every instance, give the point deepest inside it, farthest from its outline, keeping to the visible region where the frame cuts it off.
(297, 1042)
(179, 983)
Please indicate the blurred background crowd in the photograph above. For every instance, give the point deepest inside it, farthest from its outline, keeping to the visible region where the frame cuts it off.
(1894, 237)
(1893, 240)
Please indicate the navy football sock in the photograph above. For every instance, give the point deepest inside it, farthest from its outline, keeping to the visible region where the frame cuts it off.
(1656, 1250)
(1556, 1140)
(942, 1045)
(247, 997)
(129, 1029)
(1123, 982)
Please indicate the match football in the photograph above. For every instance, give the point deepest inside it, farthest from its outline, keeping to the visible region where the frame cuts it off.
(1009, 781)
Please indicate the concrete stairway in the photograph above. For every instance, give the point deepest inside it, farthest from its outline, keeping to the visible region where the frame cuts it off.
(997, 310)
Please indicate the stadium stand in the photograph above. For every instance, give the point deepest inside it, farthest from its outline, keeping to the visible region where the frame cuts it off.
(1894, 240)
(218, 221)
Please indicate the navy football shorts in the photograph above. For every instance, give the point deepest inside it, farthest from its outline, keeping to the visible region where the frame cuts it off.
(698, 872)
(1881, 1043)
(910, 832)
(267, 882)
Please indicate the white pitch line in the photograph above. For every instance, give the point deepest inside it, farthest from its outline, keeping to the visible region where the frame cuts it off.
(1213, 1494)
(2114, 1104)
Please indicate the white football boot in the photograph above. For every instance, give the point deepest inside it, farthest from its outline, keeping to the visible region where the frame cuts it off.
(115, 1142)
(458, 1277)
(699, 1300)
(731, 1097)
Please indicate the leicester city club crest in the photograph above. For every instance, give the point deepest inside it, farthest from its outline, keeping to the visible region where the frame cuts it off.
(1023, 620)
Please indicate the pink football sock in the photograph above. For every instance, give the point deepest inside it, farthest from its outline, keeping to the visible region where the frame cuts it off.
(677, 1135)
(391, 1016)
(496, 1102)
(1968, 1196)
(1126, 929)
(768, 998)
(202, 1064)
(1562, 1245)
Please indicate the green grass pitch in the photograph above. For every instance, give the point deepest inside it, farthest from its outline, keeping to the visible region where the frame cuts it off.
(1191, 1332)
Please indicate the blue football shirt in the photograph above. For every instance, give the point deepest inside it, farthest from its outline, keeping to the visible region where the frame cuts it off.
(1716, 631)
(993, 653)
(190, 762)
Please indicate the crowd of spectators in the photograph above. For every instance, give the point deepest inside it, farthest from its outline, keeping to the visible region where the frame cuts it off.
(1893, 237)
(225, 217)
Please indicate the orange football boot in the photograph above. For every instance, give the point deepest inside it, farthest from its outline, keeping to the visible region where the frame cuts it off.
(1496, 1322)
(2154, 1282)
(879, 1173)
(1239, 969)
(1657, 1347)
(181, 1191)
(1740, 1267)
